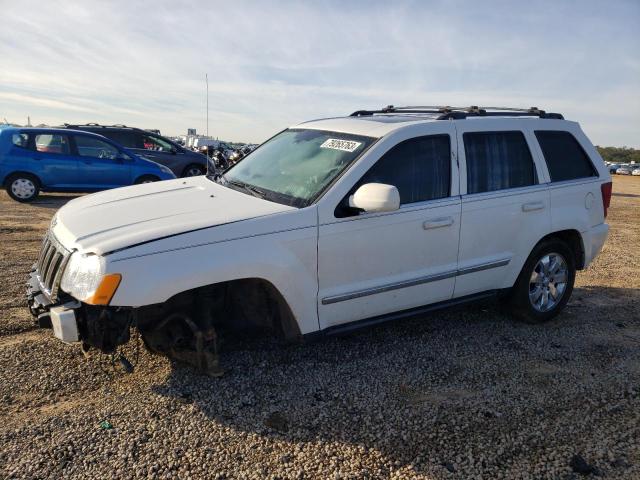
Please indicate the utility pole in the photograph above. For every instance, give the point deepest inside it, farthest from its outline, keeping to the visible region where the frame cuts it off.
(206, 79)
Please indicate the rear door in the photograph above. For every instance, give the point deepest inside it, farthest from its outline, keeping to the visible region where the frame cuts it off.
(505, 203)
(100, 163)
(53, 160)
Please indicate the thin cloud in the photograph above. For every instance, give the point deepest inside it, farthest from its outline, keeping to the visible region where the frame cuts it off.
(272, 65)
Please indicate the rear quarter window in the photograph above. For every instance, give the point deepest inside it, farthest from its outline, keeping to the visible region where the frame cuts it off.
(565, 157)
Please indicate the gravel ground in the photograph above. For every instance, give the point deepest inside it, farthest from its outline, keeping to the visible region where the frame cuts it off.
(467, 393)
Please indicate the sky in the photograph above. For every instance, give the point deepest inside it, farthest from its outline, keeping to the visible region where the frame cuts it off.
(272, 64)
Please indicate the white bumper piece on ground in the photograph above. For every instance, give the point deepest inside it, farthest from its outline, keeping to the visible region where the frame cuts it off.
(64, 324)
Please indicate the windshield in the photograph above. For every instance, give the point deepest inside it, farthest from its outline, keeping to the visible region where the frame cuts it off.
(295, 166)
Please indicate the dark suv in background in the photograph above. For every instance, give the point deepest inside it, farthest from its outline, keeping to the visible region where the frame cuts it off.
(182, 162)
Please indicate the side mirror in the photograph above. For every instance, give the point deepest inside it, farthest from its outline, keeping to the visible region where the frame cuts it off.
(376, 197)
(173, 150)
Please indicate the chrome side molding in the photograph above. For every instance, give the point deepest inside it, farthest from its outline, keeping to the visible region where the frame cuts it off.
(413, 282)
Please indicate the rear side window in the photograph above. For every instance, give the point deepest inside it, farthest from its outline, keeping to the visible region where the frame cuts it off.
(565, 157)
(420, 168)
(127, 139)
(498, 160)
(20, 140)
(94, 147)
(52, 143)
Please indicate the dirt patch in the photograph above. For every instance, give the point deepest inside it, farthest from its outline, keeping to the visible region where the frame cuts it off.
(467, 393)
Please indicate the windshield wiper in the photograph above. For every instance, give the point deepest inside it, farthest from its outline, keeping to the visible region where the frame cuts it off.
(258, 192)
(253, 190)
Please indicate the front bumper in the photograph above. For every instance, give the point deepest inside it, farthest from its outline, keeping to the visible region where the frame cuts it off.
(72, 321)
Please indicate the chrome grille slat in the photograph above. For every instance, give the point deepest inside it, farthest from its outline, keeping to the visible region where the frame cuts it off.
(53, 268)
(45, 244)
(52, 259)
(46, 265)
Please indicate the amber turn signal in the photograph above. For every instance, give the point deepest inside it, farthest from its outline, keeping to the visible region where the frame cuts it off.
(106, 290)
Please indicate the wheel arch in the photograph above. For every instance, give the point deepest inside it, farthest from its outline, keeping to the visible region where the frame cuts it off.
(137, 179)
(21, 172)
(245, 303)
(574, 240)
(203, 168)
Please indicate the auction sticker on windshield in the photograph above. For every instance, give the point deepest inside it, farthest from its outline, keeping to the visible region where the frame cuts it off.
(344, 145)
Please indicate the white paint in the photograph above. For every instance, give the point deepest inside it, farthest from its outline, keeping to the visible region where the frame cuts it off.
(168, 237)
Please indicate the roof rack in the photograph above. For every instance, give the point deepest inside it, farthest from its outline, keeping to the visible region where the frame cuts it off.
(93, 124)
(459, 113)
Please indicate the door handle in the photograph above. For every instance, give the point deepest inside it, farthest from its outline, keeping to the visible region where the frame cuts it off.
(438, 223)
(532, 206)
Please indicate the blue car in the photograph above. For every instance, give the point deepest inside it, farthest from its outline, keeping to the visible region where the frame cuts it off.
(62, 160)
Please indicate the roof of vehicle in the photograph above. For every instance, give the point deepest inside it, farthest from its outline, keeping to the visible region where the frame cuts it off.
(118, 126)
(61, 131)
(377, 123)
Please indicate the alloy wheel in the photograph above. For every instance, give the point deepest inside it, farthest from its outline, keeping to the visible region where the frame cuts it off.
(548, 282)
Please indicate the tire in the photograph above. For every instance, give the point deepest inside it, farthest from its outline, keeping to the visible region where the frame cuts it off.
(193, 170)
(146, 179)
(22, 187)
(532, 297)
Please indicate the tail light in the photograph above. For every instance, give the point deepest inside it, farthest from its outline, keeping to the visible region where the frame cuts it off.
(605, 188)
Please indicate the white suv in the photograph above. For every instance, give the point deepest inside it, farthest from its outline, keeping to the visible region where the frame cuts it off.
(330, 225)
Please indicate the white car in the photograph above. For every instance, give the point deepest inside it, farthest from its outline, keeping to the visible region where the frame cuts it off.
(625, 170)
(636, 171)
(330, 225)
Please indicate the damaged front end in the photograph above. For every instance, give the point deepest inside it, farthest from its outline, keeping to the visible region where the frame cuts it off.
(181, 333)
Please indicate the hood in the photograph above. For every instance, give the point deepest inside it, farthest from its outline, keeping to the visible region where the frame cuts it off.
(118, 218)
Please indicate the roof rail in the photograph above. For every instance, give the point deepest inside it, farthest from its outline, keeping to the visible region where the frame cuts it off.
(459, 113)
(93, 124)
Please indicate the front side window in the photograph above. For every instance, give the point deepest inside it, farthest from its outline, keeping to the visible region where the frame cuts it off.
(151, 142)
(295, 166)
(20, 140)
(565, 157)
(94, 147)
(52, 143)
(497, 160)
(420, 168)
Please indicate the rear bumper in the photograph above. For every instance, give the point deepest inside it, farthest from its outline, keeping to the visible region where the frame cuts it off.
(594, 239)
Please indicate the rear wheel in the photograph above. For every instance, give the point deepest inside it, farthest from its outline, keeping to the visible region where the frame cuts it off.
(545, 283)
(22, 187)
(146, 179)
(193, 170)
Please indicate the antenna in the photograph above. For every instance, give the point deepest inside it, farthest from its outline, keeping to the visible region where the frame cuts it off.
(206, 79)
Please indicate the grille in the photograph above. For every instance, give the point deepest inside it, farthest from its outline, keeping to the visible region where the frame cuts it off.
(51, 262)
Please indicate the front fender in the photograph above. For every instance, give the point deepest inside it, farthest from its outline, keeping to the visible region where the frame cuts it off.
(287, 258)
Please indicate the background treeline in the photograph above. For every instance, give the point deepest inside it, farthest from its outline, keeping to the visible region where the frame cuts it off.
(619, 154)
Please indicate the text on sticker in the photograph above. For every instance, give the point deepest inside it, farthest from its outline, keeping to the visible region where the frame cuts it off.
(344, 145)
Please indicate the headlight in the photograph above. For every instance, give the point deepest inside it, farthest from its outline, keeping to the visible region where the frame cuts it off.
(166, 169)
(84, 279)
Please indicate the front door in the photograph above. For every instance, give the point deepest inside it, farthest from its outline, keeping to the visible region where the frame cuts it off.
(101, 164)
(371, 264)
